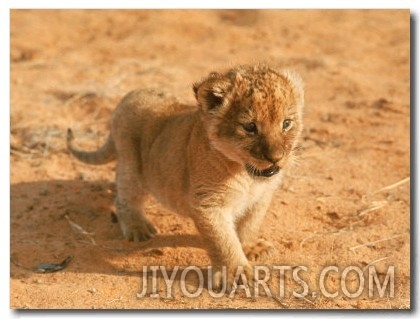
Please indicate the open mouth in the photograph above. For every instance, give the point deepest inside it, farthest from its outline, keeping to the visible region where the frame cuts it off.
(268, 172)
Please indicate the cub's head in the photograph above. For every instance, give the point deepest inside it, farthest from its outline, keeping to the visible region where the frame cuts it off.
(253, 115)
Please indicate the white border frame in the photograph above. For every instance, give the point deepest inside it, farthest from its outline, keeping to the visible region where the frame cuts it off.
(6, 5)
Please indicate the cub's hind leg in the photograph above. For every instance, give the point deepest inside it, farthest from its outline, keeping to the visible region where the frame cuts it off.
(130, 196)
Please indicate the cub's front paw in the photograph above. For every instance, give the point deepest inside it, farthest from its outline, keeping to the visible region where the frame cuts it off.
(139, 230)
(259, 251)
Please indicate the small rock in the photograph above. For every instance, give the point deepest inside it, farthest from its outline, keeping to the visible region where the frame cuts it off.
(92, 290)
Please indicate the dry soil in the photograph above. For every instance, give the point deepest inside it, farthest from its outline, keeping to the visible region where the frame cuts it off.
(346, 203)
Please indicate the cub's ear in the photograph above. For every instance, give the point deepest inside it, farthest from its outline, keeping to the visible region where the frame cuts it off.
(211, 92)
(295, 79)
(298, 86)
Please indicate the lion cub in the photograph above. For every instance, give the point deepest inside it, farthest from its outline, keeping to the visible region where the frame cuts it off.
(218, 163)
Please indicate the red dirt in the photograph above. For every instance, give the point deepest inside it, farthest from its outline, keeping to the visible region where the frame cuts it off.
(69, 68)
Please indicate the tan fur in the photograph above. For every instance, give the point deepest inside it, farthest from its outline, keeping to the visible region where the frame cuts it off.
(194, 159)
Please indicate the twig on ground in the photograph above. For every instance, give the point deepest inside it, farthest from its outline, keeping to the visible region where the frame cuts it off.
(79, 229)
(372, 207)
(280, 302)
(389, 187)
(374, 262)
(371, 243)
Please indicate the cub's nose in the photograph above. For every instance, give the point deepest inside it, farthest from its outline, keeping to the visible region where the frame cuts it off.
(273, 158)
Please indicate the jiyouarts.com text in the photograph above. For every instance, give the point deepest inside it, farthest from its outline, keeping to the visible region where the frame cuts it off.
(276, 281)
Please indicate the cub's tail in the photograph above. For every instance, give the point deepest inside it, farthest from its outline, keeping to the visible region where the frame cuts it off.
(103, 155)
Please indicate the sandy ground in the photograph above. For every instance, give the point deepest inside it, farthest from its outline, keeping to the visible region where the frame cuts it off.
(70, 68)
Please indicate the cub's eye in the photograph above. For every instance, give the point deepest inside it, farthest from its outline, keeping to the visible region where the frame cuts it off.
(250, 127)
(287, 125)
